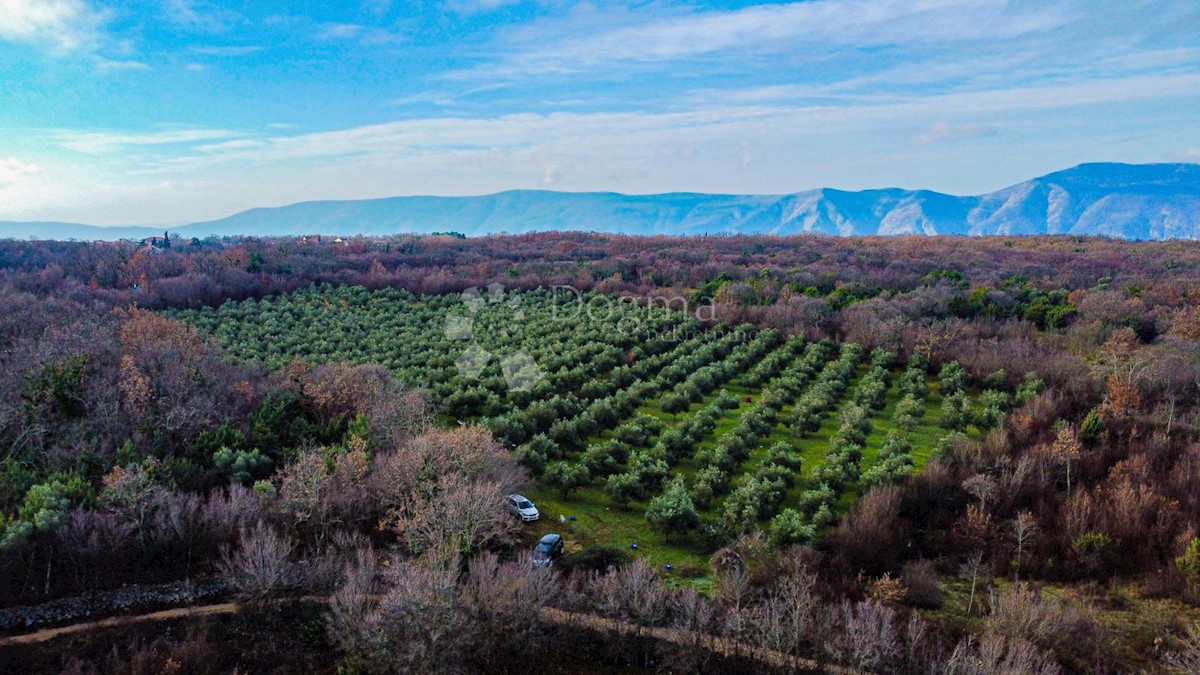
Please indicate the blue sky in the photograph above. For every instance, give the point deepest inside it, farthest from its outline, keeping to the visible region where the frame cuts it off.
(165, 111)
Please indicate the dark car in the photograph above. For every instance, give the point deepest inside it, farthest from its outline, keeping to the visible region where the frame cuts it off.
(548, 549)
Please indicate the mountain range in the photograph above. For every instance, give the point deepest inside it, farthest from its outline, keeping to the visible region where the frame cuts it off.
(1129, 201)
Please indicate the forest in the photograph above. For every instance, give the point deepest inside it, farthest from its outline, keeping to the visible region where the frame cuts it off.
(900, 454)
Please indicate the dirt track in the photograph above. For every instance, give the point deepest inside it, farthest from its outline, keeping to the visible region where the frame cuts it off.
(558, 616)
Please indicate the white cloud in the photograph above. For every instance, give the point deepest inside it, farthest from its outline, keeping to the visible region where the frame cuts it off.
(109, 65)
(61, 26)
(99, 142)
(13, 170)
(364, 35)
(828, 24)
(944, 131)
(199, 15)
(377, 7)
(477, 6)
(417, 137)
(237, 50)
(340, 31)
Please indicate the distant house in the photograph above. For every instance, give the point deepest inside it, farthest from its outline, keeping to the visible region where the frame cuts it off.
(158, 242)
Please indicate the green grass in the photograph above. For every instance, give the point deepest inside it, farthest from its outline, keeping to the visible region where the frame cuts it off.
(599, 521)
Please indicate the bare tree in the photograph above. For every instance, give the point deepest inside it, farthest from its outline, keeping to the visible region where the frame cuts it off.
(982, 487)
(462, 513)
(996, 655)
(258, 568)
(692, 612)
(634, 592)
(975, 571)
(867, 636)
(1024, 531)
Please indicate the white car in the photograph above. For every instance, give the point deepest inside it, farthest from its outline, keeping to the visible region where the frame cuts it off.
(523, 508)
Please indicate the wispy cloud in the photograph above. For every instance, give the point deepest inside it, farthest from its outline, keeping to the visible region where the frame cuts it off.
(774, 28)
(200, 15)
(60, 26)
(364, 35)
(231, 50)
(377, 7)
(944, 131)
(104, 65)
(475, 6)
(572, 132)
(100, 142)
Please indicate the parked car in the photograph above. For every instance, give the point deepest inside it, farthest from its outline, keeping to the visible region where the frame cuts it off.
(523, 508)
(548, 549)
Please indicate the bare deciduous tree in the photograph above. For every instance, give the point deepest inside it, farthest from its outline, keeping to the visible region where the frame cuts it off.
(259, 566)
(1024, 531)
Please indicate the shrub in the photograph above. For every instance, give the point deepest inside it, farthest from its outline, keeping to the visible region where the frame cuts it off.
(673, 510)
(953, 378)
(1032, 386)
(956, 411)
(567, 476)
(623, 488)
(910, 405)
(599, 559)
(790, 527)
(1189, 562)
(1093, 428)
(783, 454)
(922, 588)
(533, 459)
(258, 568)
(240, 465)
(806, 421)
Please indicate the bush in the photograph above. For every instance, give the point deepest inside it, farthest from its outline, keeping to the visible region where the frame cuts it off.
(258, 568)
(996, 380)
(1032, 386)
(790, 527)
(605, 459)
(956, 411)
(567, 476)
(806, 421)
(710, 481)
(910, 405)
(783, 454)
(673, 510)
(532, 459)
(1189, 562)
(954, 378)
(1093, 428)
(240, 465)
(651, 470)
(623, 488)
(922, 587)
(599, 559)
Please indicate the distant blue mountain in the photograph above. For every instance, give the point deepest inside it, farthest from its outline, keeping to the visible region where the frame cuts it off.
(1131, 201)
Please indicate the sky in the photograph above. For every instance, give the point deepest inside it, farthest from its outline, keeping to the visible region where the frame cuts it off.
(172, 111)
